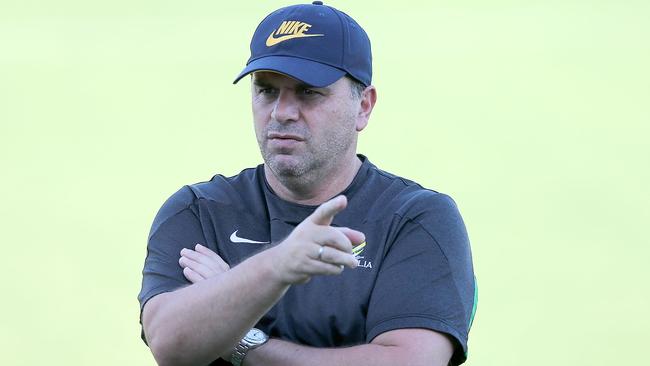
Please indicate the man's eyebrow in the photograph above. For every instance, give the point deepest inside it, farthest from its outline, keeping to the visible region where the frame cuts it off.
(262, 83)
(303, 86)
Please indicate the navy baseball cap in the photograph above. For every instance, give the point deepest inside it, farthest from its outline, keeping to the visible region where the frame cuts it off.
(313, 43)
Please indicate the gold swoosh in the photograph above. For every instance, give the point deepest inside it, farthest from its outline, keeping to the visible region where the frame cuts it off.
(272, 41)
(358, 249)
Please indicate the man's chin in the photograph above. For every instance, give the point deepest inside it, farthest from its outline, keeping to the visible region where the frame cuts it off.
(286, 165)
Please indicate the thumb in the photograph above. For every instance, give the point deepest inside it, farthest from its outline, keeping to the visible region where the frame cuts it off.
(325, 213)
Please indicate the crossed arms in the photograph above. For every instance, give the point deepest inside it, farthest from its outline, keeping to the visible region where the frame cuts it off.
(204, 321)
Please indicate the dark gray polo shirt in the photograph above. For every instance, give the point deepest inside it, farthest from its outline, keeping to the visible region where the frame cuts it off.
(415, 269)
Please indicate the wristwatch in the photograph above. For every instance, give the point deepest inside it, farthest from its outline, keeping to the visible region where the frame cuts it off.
(253, 339)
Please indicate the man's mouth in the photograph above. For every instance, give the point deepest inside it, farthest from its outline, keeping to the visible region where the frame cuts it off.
(284, 136)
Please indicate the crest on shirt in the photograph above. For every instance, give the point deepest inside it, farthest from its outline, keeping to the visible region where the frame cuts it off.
(357, 251)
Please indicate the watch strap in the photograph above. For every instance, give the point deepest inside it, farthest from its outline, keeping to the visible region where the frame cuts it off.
(246, 344)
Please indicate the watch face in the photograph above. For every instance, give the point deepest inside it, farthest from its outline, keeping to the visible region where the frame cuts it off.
(256, 335)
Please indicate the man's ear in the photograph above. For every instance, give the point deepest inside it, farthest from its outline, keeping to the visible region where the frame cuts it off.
(367, 101)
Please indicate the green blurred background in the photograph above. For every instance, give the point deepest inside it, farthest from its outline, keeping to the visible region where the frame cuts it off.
(533, 115)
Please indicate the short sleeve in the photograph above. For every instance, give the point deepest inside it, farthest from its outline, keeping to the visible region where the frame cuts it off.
(175, 227)
(426, 279)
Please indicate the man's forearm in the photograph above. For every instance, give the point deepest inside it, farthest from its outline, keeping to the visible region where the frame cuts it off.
(283, 353)
(199, 323)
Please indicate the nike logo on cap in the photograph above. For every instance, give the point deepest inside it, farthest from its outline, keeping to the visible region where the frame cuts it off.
(289, 29)
(236, 239)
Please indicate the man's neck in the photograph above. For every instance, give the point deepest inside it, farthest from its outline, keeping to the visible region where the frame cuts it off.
(317, 192)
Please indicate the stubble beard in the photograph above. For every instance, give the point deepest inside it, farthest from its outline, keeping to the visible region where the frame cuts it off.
(312, 164)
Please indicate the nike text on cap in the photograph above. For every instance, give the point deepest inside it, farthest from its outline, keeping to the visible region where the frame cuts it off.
(313, 43)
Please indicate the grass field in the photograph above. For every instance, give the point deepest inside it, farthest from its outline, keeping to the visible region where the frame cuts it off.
(533, 115)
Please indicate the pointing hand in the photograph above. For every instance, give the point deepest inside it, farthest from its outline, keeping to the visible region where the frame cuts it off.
(316, 248)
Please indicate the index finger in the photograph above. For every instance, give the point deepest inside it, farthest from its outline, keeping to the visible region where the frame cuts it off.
(325, 213)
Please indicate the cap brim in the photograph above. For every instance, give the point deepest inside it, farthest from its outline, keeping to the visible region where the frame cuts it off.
(309, 72)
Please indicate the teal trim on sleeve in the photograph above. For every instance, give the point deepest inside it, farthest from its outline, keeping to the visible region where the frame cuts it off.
(471, 318)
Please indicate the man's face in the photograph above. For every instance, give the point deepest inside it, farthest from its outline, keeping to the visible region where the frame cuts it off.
(301, 129)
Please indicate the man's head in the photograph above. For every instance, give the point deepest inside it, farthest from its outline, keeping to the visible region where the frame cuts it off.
(311, 70)
(303, 130)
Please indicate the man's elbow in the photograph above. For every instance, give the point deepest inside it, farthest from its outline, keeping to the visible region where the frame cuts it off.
(170, 342)
(418, 346)
(166, 350)
(173, 349)
(163, 341)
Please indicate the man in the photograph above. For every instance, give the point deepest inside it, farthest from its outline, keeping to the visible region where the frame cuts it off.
(316, 257)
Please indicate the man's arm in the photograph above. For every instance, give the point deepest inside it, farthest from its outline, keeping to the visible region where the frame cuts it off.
(412, 347)
(408, 346)
(201, 322)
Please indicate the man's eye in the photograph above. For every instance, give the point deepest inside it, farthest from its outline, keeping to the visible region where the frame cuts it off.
(309, 92)
(266, 91)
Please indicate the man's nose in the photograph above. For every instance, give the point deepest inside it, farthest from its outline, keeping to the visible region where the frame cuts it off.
(286, 108)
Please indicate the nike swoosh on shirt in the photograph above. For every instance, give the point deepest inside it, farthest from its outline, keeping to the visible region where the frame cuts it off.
(272, 41)
(236, 239)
